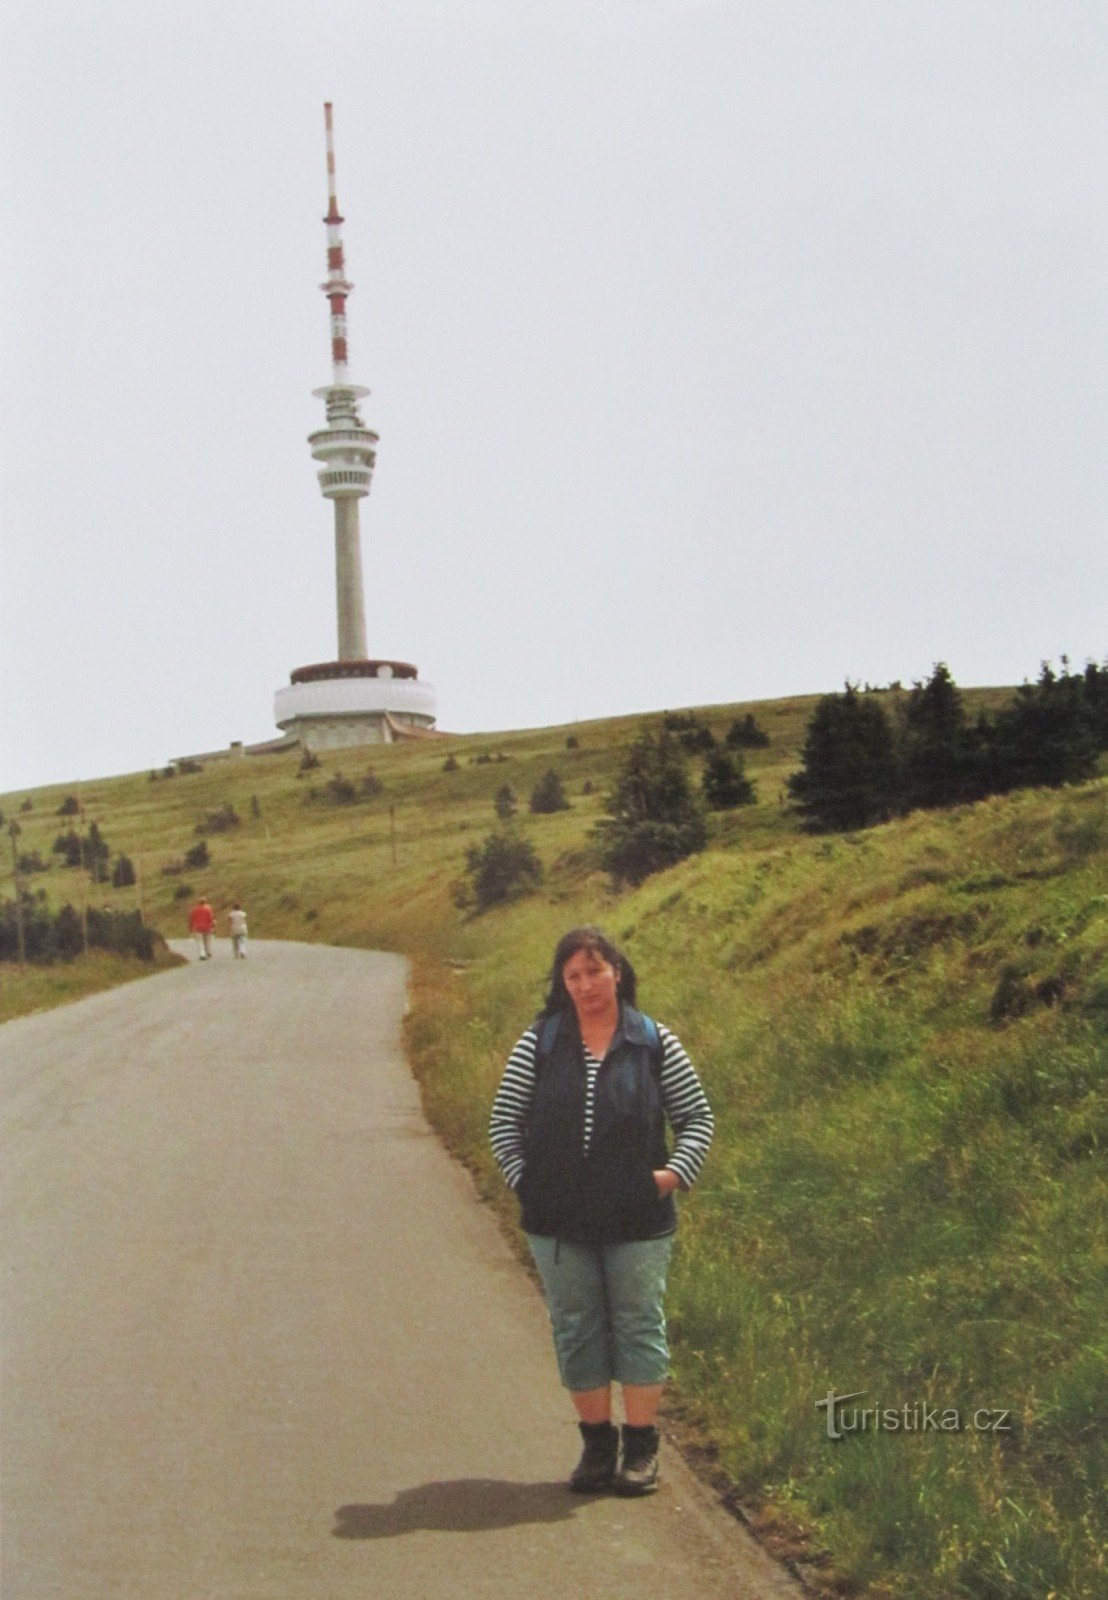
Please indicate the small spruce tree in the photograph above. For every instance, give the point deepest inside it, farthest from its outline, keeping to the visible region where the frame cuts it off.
(548, 795)
(123, 873)
(654, 816)
(501, 868)
(724, 783)
(746, 734)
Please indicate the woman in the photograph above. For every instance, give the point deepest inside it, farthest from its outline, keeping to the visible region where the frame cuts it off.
(578, 1129)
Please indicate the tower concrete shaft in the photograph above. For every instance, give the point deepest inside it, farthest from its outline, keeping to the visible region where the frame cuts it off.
(346, 447)
(349, 591)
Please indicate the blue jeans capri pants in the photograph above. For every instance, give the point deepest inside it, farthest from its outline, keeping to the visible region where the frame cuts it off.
(606, 1311)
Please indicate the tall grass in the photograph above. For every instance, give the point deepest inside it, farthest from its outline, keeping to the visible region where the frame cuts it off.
(24, 990)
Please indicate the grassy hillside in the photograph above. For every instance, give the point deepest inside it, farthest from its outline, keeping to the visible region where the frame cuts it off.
(903, 1033)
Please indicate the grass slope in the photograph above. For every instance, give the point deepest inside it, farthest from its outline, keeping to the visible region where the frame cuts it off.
(903, 1034)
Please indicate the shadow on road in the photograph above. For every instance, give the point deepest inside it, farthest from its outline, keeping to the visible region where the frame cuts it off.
(465, 1505)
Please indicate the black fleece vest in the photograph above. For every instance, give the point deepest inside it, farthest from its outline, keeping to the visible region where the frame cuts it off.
(608, 1196)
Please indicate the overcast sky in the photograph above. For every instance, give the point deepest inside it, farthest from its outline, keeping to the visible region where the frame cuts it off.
(720, 349)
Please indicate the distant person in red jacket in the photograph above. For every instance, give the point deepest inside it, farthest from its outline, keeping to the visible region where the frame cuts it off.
(201, 923)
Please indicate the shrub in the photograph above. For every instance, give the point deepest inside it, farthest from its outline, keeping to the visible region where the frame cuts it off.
(37, 929)
(69, 933)
(198, 856)
(122, 931)
(28, 805)
(123, 873)
(219, 821)
(68, 845)
(95, 854)
(50, 937)
(70, 806)
(371, 785)
(572, 742)
(450, 764)
(724, 784)
(503, 867)
(692, 734)
(548, 795)
(746, 735)
(308, 761)
(654, 819)
(31, 861)
(340, 789)
(505, 802)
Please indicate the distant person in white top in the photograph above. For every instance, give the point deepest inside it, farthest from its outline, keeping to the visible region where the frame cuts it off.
(236, 919)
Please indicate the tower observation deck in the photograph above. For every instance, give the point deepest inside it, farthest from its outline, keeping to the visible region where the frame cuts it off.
(355, 699)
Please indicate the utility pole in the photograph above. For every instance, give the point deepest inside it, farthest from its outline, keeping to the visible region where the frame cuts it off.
(85, 846)
(13, 834)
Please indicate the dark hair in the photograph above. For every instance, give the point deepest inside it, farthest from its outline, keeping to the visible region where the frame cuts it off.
(588, 938)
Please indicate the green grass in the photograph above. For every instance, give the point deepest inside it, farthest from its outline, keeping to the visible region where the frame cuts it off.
(24, 990)
(903, 1034)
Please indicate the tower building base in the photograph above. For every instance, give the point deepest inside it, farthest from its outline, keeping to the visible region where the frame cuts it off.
(337, 704)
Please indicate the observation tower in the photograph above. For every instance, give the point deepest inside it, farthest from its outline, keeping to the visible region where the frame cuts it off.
(355, 699)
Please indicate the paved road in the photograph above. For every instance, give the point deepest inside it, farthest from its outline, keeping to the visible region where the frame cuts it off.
(262, 1342)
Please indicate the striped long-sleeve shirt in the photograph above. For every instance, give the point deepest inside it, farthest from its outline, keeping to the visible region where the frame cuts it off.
(685, 1104)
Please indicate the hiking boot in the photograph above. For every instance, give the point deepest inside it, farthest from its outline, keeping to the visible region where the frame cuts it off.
(638, 1471)
(596, 1470)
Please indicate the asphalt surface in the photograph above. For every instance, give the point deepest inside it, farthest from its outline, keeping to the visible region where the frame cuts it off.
(260, 1339)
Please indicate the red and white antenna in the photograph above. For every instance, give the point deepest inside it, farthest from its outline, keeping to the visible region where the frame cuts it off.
(336, 288)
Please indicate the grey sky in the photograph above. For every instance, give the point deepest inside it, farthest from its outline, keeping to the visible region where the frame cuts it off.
(718, 351)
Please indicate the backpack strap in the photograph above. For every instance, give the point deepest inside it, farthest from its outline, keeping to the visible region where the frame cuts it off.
(547, 1030)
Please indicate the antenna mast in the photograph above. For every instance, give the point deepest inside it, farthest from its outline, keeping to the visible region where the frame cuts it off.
(337, 287)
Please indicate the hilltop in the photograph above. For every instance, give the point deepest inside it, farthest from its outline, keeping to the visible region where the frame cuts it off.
(903, 1032)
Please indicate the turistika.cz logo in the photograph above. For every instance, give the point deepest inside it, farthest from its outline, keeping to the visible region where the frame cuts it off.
(912, 1417)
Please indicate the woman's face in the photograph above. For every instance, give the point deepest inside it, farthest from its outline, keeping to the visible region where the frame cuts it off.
(592, 983)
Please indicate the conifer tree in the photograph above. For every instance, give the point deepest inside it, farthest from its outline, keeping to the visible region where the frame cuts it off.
(939, 761)
(848, 776)
(1046, 736)
(548, 795)
(724, 783)
(654, 817)
(502, 867)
